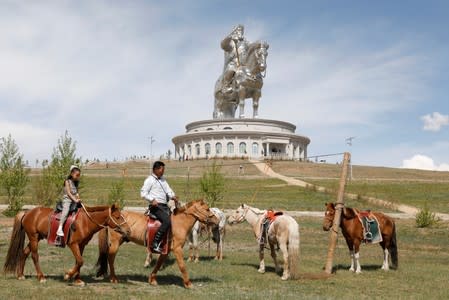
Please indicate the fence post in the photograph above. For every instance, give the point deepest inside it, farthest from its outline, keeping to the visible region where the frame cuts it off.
(337, 218)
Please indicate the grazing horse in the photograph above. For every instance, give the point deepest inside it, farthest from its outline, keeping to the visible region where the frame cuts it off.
(183, 220)
(283, 233)
(218, 233)
(35, 224)
(352, 230)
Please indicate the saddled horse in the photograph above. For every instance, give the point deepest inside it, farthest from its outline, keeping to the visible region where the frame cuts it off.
(352, 230)
(218, 233)
(283, 233)
(247, 83)
(35, 224)
(183, 219)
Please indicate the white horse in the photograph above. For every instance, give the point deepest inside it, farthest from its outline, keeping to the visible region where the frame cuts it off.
(218, 232)
(283, 233)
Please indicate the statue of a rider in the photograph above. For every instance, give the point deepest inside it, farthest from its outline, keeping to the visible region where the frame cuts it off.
(235, 47)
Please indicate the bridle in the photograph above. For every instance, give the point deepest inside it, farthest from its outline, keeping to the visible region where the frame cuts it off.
(109, 218)
(243, 215)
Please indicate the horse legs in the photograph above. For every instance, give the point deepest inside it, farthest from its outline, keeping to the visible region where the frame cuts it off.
(152, 279)
(286, 273)
(274, 256)
(26, 253)
(77, 251)
(148, 259)
(33, 245)
(113, 249)
(241, 103)
(358, 269)
(385, 265)
(182, 267)
(261, 258)
(255, 107)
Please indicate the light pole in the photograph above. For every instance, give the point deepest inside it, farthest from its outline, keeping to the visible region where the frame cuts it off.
(151, 140)
(349, 143)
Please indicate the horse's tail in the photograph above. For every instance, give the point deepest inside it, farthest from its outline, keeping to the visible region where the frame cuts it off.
(103, 253)
(293, 249)
(15, 251)
(394, 249)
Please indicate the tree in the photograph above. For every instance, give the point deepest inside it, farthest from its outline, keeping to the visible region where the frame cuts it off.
(48, 186)
(117, 193)
(212, 184)
(13, 174)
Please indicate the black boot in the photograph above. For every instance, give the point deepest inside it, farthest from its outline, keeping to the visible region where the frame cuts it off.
(156, 247)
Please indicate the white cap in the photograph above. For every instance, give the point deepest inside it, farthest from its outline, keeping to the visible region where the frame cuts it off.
(73, 167)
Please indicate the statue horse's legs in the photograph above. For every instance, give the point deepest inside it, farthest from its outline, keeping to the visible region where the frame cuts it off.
(242, 102)
(255, 107)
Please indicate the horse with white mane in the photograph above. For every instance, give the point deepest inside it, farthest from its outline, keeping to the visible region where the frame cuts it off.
(283, 232)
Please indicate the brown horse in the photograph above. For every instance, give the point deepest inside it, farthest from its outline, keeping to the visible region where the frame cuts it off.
(35, 224)
(352, 230)
(183, 219)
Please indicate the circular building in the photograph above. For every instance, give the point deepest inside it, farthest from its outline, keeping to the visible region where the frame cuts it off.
(242, 138)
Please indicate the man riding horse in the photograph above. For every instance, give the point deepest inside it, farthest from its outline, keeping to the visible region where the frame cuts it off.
(158, 193)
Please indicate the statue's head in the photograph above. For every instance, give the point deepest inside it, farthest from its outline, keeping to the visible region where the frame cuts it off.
(238, 32)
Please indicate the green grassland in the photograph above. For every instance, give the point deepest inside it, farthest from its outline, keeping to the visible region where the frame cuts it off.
(422, 273)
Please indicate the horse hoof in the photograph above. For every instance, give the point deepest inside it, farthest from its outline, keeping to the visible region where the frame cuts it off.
(152, 280)
(351, 270)
(188, 285)
(285, 277)
(22, 277)
(196, 260)
(261, 271)
(67, 276)
(189, 259)
(114, 280)
(358, 272)
(79, 283)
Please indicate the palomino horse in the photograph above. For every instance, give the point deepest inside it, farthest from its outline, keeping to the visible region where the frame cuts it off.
(282, 233)
(35, 224)
(218, 233)
(183, 219)
(247, 83)
(352, 230)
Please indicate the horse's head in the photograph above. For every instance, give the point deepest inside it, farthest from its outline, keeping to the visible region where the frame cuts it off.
(117, 221)
(238, 216)
(329, 216)
(259, 51)
(200, 210)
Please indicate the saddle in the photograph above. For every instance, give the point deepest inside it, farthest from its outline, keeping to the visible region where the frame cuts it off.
(153, 225)
(371, 229)
(270, 217)
(53, 224)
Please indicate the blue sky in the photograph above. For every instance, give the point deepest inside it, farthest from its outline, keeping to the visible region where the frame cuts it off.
(114, 73)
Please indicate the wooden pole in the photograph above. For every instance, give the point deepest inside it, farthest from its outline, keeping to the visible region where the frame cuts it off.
(337, 218)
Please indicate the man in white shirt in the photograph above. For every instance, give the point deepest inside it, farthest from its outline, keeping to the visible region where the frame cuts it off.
(157, 192)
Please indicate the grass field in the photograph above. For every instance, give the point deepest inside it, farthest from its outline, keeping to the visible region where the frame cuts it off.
(422, 273)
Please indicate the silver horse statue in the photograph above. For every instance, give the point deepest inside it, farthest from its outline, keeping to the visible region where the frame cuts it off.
(242, 78)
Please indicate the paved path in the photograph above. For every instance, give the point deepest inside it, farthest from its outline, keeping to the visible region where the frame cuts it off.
(405, 209)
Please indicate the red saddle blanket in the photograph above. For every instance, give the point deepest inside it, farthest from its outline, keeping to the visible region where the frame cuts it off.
(53, 238)
(152, 228)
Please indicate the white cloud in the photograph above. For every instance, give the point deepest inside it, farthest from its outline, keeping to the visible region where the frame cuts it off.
(423, 162)
(434, 121)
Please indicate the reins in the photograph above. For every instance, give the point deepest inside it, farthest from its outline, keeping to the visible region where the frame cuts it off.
(109, 217)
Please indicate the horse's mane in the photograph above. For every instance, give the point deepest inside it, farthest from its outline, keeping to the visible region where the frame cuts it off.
(349, 213)
(184, 207)
(96, 208)
(256, 210)
(256, 45)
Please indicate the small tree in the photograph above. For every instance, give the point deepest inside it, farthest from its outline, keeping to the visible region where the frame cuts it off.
(212, 184)
(48, 187)
(13, 174)
(117, 193)
(426, 218)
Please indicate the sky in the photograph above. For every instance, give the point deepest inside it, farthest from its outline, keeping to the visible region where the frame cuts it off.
(113, 73)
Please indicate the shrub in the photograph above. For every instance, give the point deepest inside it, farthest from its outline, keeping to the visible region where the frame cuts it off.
(117, 193)
(212, 184)
(13, 174)
(425, 218)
